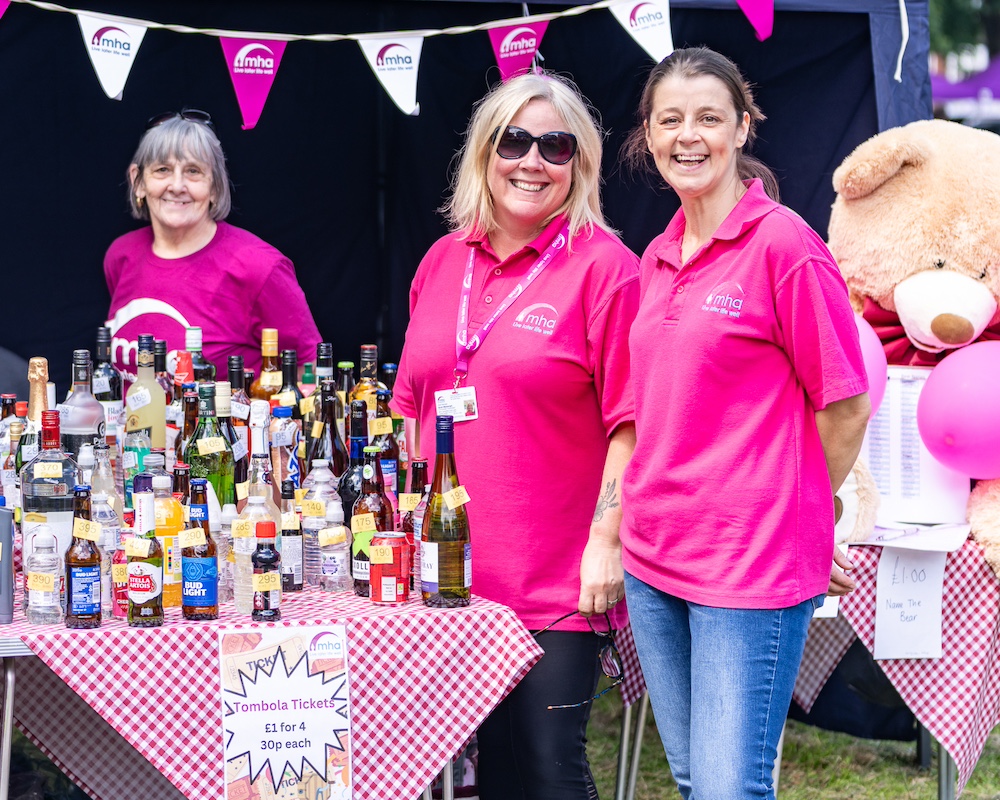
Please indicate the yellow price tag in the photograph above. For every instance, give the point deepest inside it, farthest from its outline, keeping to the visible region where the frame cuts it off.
(380, 426)
(363, 522)
(307, 405)
(39, 582)
(242, 490)
(213, 444)
(285, 398)
(331, 536)
(317, 430)
(313, 508)
(242, 528)
(380, 554)
(138, 547)
(34, 516)
(409, 502)
(85, 529)
(119, 573)
(290, 521)
(48, 469)
(193, 537)
(456, 497)
(300, 495)
(231, 557)
(266, 581)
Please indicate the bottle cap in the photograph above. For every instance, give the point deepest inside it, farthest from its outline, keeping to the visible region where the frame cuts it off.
(81, 487)
(146, 342)
(383, 394)
(81, 358)
(335, 513)
(265, 529)
(372, 449)
(282, 412)
(3, 501)
(236, 362)
(269, 335)
(289, 358)
(21, 408)
(86, 458)
(192, 339)
(181, 467)
(206, 391)
(189, 386)
(198, 482)
(223, 389)
(43, 538)
(159, 347)
(445, 423)
(151, 460)
(229, 513)
(104, 335)
(345, 365)
(162, 482)
(320, 462)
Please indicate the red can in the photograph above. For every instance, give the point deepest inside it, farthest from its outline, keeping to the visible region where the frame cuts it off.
(390, 568)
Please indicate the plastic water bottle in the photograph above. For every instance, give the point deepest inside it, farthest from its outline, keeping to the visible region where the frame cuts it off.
(334, 542)
(227, 558)
(43, 570)
(244, 546)
(319, 467)
(315, 508)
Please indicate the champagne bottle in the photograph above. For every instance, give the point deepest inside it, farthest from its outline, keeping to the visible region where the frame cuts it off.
(30, 444)
(445, 545)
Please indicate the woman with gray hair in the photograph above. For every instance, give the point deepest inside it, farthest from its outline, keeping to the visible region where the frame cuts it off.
(519, 324)
(189, 267)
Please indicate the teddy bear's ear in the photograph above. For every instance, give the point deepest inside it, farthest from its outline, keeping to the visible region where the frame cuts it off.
(873, 162)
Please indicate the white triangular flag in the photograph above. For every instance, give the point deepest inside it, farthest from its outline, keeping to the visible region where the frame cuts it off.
(395, 62)
(648, 22)
(112, 46)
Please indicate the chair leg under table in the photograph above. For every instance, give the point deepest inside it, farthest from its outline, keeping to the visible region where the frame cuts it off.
(624, 743)
(947, 775)
(640, 729)
(8, 726)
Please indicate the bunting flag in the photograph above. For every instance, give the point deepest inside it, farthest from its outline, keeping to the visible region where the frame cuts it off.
(648, 22)
(4, 5)
(252, 66)
(515, 46)
(396, 62)
(761, 16)
(112, 46)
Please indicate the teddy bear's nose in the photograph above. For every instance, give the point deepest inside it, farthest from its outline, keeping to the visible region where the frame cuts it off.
(952, 329)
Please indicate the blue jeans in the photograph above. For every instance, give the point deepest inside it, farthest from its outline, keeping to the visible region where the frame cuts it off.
(720, 682)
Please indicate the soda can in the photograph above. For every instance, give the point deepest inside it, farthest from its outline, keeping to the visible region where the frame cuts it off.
(390, 568)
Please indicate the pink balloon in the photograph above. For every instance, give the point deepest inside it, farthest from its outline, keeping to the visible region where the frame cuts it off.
(958, 413)
(875, 363)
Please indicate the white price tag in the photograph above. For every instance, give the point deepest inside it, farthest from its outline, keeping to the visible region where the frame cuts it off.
(239, 410)
(283, 438)
(100, 384)
(139, 398)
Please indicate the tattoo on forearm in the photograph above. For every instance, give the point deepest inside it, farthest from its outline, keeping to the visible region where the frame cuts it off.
(608, 500)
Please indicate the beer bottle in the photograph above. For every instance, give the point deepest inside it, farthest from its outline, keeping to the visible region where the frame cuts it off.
(445, 548)
(145, 566)
(83, 565)
(371, 513)
(199, 560)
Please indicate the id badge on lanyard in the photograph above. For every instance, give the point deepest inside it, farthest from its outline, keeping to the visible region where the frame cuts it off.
(460, 401)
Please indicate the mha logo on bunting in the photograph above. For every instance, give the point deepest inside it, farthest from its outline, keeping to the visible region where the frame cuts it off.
(645, 16)
(246, 64)
(394, 62)
(519, 41)
(725, 299)
(111, 40)
(538, 318)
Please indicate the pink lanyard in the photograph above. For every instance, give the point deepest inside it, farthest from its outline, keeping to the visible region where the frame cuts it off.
(465, 347)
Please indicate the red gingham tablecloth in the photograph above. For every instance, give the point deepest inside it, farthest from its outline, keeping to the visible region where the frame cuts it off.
(956, 697)
(422, 680)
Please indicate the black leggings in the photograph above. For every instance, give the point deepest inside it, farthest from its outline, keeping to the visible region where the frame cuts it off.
(526, 751)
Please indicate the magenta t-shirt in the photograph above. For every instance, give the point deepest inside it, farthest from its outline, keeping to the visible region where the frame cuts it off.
(727, 500)
(232, 288)
(552, 383)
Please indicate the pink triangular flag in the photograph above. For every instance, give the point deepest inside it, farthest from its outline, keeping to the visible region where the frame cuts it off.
(4, 5)
(515, 46)
(252, 66)
(761, 16)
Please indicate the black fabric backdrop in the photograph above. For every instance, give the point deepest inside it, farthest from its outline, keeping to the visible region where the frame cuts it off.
(334, 175)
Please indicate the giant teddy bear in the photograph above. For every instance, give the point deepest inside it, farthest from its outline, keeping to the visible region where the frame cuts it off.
(915, 229)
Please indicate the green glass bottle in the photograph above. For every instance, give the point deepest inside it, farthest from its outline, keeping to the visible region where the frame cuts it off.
(208, 452)
(445, 545)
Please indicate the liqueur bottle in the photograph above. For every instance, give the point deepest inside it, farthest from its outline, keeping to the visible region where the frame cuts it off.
(106, 385)
(81, 416)
(269, 381)
(209, 454)
(202, 370)
(199, 556)
(239, 407)
(189, 418)
(83, 565)
(368, 383)
(371, 514)
(146, 408)
(324, 362)
(445, 545)
(144, 569)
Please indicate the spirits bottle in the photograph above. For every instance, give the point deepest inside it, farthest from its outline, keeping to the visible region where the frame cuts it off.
(238, 444)
(269, 381)
(83, 566)
(266, 575)
(169, 522)
(200, 560)
(144, 569)
(81, 416)
(291, 540)
(409, 523)
(349, 485)
(368, 383)
(324, 362)
(371, 514)
(325, 442)
(160, 370)
(209, 453)
(47, 483)
(202, 370)
(445, 545)
(289, 394)
(345, 384)
(106, 384)
(27, 449)
(239, 407)
(145, 403)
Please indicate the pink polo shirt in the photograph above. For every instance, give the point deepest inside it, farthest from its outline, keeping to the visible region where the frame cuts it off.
(552, 384)
(727, 501)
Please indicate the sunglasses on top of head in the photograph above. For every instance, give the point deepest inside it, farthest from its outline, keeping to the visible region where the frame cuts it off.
(190, 114)
(556, 147)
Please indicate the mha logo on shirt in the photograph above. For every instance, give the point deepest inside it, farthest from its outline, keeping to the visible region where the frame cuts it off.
(538, 318)
(725, 299)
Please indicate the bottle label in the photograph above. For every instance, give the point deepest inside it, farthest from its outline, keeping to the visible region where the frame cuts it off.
(468, 565)
(145, 580)
(429, 567)
(317, 429)
(201, 582)
(291, 557)
(290, 520)
(86, 529)
(119, 574)
(285, 398)
(241, 448)
(138, 547)
(242, 490)
(362, 524)
(42, 584)
(271, 377)
(283, 437)
(199, 512)
(335, 563)
(331, 536)
(28, 452)
(360, 568)
(84, 591)
(389, 472)
(242, 529)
